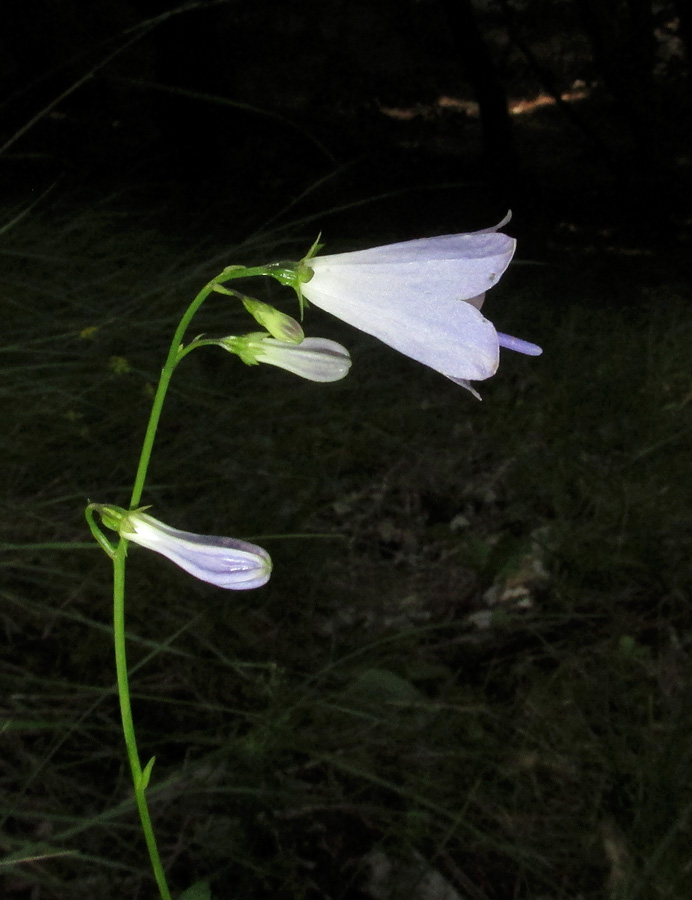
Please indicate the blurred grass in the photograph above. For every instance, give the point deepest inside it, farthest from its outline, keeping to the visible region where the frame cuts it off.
(476, 670)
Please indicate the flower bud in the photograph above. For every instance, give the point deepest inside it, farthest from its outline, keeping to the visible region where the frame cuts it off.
(316, 359)
(223, 561)
(278, 324)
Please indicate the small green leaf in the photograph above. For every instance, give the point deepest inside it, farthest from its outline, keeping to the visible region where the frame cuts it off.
(146, 774)
(200, 890)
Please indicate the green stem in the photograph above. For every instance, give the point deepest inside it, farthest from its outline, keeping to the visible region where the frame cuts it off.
(140, 777)
(126, 716)
(174, 356)
(160, 395)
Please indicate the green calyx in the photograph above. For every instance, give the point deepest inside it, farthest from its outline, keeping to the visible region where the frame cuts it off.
(245, 346)
(111, 516)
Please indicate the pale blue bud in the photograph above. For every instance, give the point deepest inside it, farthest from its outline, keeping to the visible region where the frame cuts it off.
(223, 561)
(316, 359)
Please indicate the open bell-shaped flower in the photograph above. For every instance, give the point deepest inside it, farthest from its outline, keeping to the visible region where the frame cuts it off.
(223, 561)
(422, 297)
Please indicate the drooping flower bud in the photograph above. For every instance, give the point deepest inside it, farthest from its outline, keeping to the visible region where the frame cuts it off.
(223, 561)
(316, 359)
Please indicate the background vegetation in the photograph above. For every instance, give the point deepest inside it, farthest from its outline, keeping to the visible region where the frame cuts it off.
(468, 676)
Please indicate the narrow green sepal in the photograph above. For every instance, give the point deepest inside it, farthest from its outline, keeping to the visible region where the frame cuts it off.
(145, 777)
(98, 535)
(314, 250)
(220, 289)
(302, 273)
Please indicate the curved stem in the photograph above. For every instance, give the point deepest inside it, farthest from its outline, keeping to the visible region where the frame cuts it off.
(160, 395)
(138, 780)
(174, 356)
(193, 345)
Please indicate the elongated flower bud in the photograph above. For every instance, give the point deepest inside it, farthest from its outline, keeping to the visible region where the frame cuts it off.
(223, 561)
(278, 324)
(316, 359)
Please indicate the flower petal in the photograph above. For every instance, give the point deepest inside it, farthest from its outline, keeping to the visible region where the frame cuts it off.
(316, 359)
(458, 266)
(422, 297)
(444, 333)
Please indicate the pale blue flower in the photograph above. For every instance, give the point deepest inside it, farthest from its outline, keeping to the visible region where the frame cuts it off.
(422, 297)
(222, 561)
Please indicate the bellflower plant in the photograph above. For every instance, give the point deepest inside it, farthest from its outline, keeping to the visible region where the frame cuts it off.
(220, 561)
(422, 297)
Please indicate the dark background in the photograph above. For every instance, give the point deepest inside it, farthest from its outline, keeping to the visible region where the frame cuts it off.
(476, 648)
(574, 113)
